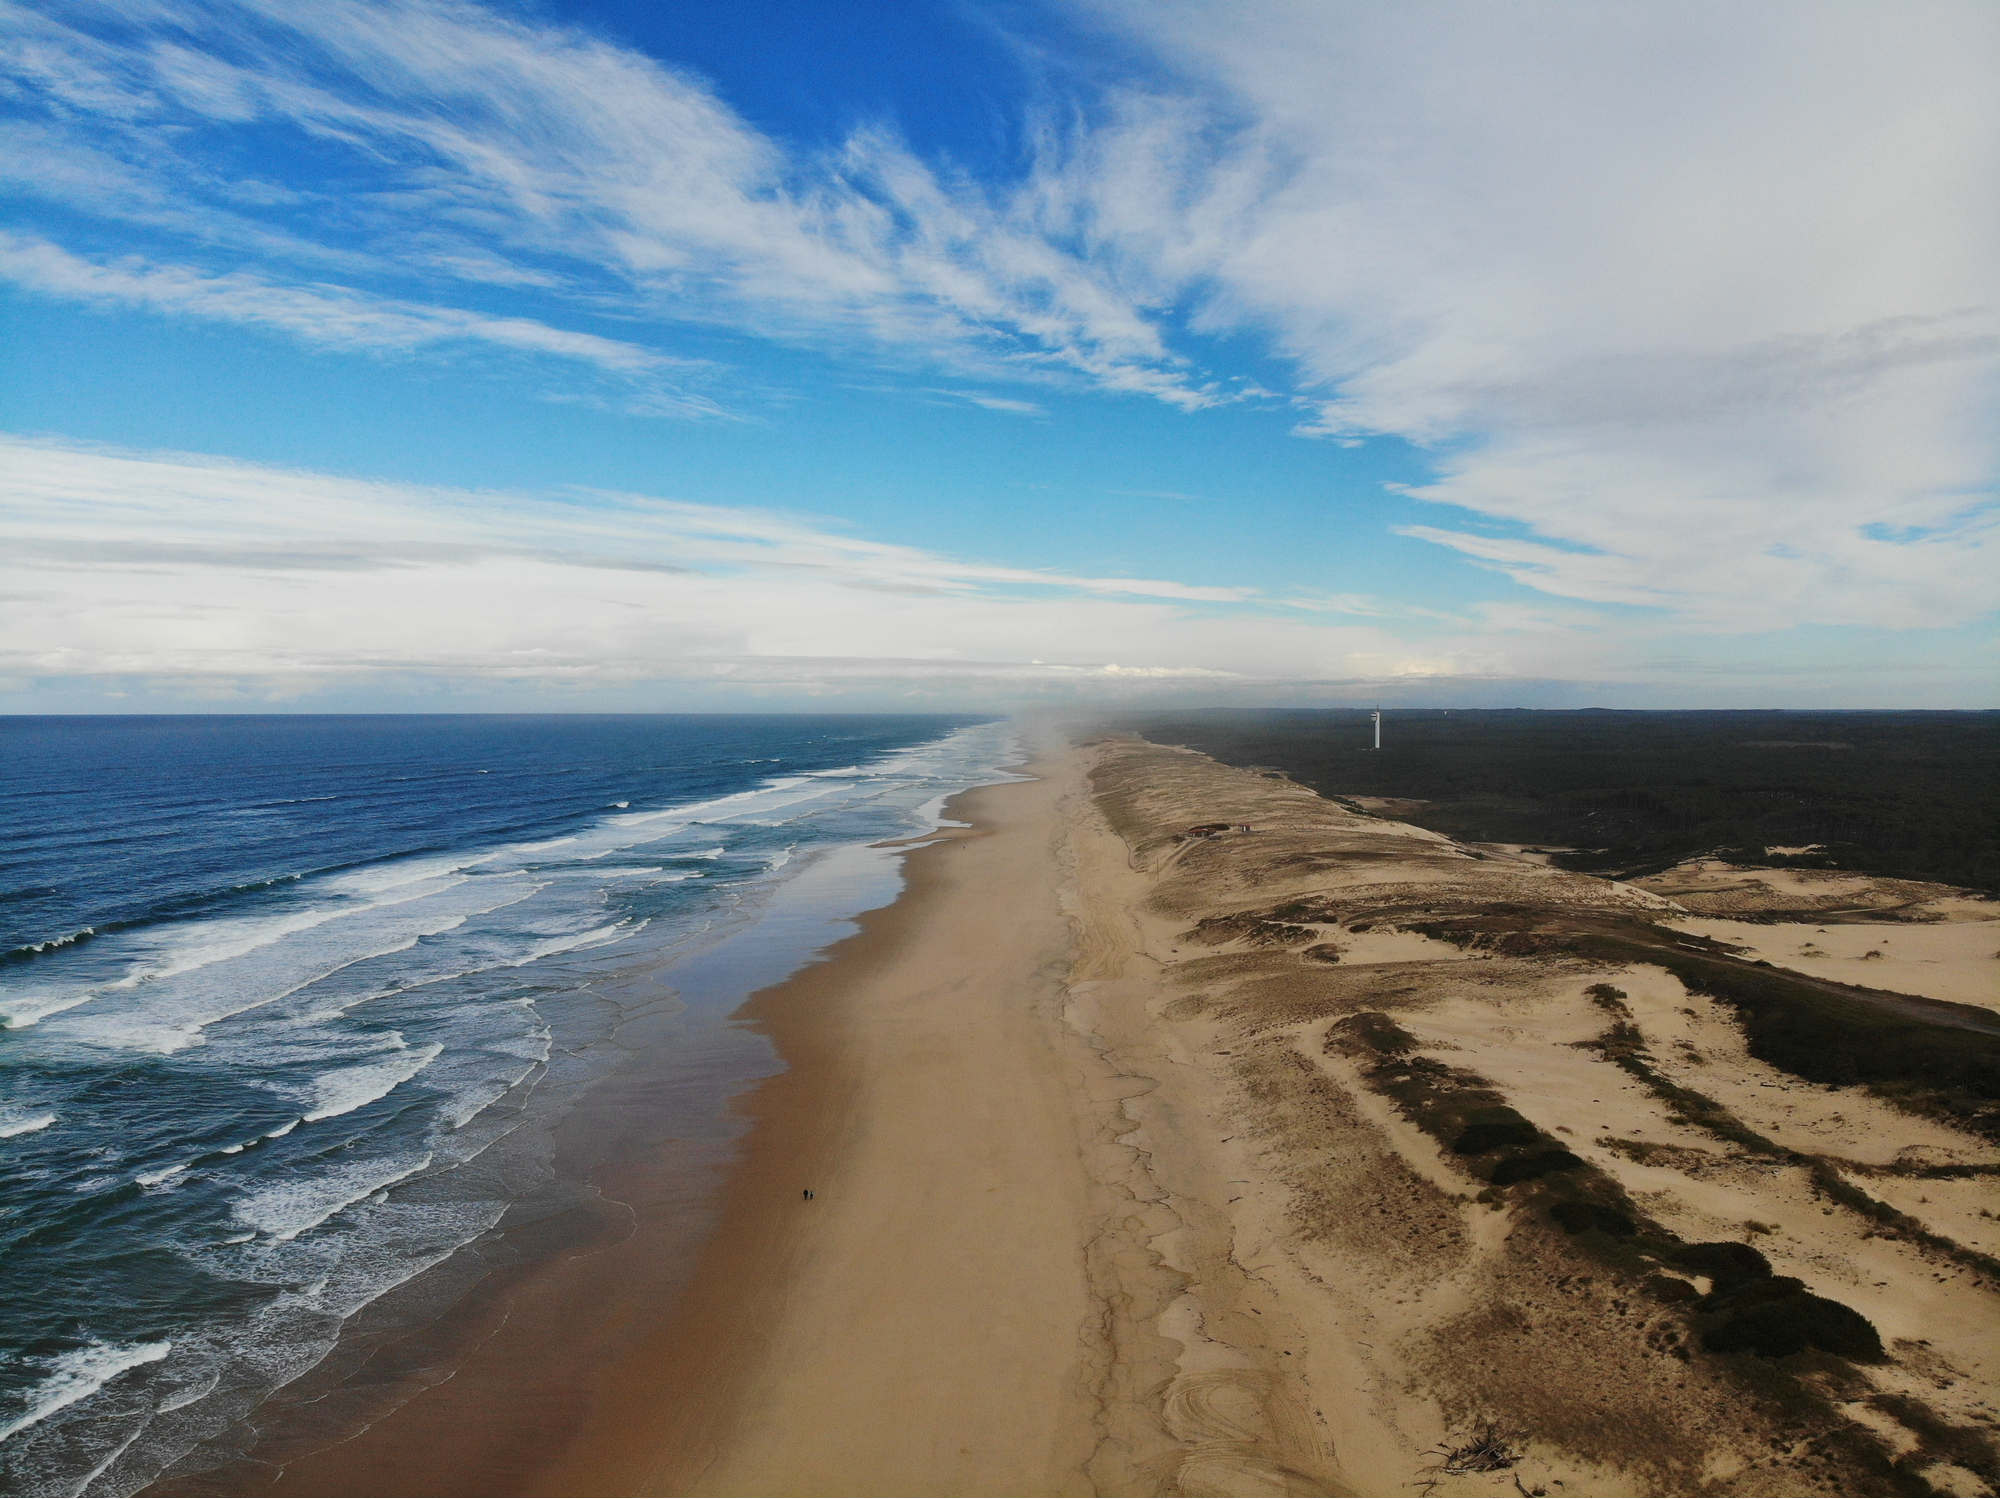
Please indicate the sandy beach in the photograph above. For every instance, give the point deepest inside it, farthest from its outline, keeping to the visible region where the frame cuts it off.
(914, 1327)
(1139, 1166)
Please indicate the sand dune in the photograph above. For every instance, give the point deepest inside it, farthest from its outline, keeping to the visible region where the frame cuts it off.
(1421, 1305)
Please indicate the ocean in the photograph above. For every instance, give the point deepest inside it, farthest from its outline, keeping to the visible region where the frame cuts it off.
(288, 1000)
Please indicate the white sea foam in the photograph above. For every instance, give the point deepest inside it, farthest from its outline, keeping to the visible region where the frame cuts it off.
(55, 943)
(473, 1101)
(219, 939)
(83, 1485)
(24, 1010)
(276, 1134)
(170, 1012)
(170, 952)
(195, 1389)
(932, 812)
(72, 1376)
(571, 943)
(346, 1089)
(377, 879)
(154, 1178)
(285, 1209)
(533, 1045)
(23, 1124)
(708, 810)
(516, 849)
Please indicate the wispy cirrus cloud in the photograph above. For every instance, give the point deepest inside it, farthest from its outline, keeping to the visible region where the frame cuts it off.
(329, 316)
(987, 402)
(1732, 362)
(515, 152)
(1701, 354)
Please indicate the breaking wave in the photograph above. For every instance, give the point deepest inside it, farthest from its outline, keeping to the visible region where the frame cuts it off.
(270, 1083)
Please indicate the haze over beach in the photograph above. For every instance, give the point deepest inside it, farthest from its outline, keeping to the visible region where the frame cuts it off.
(1051, 746)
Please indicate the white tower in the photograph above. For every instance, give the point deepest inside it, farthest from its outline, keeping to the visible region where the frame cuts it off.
(1378, 728)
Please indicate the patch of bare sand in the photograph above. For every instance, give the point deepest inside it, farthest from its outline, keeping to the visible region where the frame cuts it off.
(1958, 960)
(1713, 887)
(1526, 853)
(1353, 1304)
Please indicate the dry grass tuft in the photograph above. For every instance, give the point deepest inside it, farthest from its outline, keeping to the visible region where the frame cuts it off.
(1486, 1450)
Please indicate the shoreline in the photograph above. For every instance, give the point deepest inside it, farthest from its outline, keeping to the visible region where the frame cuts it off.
(792, 1295)
(602, 1367)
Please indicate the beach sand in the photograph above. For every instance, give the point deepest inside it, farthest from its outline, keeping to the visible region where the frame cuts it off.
(1121, 1187)
(915, 1327)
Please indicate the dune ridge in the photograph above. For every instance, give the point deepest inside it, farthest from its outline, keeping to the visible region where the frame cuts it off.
(1330, 1003)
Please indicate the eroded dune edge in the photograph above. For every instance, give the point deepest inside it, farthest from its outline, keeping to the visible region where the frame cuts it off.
(1442, 1174)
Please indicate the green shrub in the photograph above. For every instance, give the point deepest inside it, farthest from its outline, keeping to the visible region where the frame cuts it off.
(1776, 1315)
(1725, 1263)
(1523, 1168)
(1377, 1031)
(1581, 1217)
(1491, 1129)
(1609, 997)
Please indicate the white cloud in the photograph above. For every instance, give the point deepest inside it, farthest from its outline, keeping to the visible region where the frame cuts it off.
(327, 316)
(1720, 535)
(1696, 301)
(506, 150)
(1339, 603)
(1703, 295)
(995, 403)
(125, 568)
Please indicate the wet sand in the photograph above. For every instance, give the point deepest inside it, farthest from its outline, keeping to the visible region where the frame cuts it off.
(913, 1329)
(823, 1346)
(480, 1399)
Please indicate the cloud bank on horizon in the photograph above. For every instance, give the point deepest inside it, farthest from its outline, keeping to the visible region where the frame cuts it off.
(1660, 338)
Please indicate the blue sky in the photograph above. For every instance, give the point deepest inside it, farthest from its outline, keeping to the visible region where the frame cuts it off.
(440, 356)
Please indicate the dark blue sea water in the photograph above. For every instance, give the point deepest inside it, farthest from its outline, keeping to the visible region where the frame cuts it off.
(273, 986)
